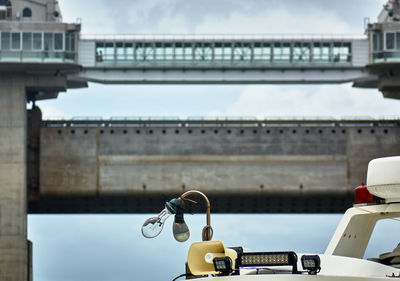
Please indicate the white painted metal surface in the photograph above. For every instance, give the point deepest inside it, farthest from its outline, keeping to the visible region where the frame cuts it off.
(384, 178)
(343, 257)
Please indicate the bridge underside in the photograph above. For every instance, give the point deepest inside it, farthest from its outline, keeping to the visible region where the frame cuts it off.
(262, 202)
(227, 75)
(243, 165)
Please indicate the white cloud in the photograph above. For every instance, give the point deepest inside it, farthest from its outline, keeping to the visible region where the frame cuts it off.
(174, 24)
(161, 16)
(139, 10)
(326, 100)
(51, 112)
(275, 21)
(96, 19)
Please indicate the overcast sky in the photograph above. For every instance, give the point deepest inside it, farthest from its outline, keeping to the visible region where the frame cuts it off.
(220, 16)
(110, 247)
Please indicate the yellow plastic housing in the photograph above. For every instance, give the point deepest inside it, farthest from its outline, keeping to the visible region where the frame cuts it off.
(201, 255)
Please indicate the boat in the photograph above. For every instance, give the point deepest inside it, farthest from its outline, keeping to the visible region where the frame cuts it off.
(211, 260)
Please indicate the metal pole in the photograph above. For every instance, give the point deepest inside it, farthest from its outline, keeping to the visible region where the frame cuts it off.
(207, 230)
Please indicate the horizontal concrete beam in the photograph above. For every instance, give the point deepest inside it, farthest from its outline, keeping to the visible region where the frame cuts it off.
(229, 75)
(123, 162)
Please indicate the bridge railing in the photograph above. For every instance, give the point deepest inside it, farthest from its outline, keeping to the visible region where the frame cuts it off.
(36, 56)
(326, 121)
(386, 56)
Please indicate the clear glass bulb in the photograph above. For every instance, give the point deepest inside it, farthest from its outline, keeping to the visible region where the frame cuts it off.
(153, 226)
(180, 228)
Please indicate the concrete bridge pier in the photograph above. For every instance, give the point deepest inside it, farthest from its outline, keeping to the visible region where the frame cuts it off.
(14, 254)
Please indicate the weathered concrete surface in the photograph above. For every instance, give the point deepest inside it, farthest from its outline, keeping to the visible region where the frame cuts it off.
(113, 164)
(13, 242)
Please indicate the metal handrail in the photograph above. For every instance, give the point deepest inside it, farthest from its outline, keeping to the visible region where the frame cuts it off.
(214, 37)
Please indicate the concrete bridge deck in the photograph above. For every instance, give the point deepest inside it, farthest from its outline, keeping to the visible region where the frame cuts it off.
(243, 165)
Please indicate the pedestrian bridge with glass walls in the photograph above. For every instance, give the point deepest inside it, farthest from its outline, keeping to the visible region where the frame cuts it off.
(200, 59)
(222, 52)
(366, 61)
(222, 59)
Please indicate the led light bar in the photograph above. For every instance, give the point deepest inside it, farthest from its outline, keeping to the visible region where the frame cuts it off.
(268, 259)
(263, 259)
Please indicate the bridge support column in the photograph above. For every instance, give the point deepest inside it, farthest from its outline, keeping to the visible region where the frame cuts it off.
(13, 219)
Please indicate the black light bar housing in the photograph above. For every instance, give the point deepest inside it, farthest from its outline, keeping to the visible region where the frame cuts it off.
(223, 265)
(256, 259)
(311, 263)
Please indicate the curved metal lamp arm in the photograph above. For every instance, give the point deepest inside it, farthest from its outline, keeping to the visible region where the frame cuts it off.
(207, 230)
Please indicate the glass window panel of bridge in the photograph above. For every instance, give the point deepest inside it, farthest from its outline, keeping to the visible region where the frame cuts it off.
(375, 42)
(169, 52)
(179, 52)
(377, 45)
(105, 52)
(163, 51)
(218, 51)
(159, 51)
(70, 45)
(49, 46)
(262, 52)
(301, 52)
(321, 53)
(5, 40)
(183, 52)
(144, 52)
(109, 52)
(203, 52)
(58, 41)
(11, 45)
(389, 40)
(281, 53)
(241, 52)
(188, 49)
(227, 53)
(37, 41)
(380, 40)
(100, 49)
(48, 41)
(16, 40)
(341, 52)
(58, 45)
(27, 44)
(27, 41)
(70, 41)
(128, 51)
(120, 52)
(398, 40)
(223, 51)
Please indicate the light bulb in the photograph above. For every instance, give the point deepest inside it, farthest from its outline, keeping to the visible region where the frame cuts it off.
(180, 228)
(153, 226)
